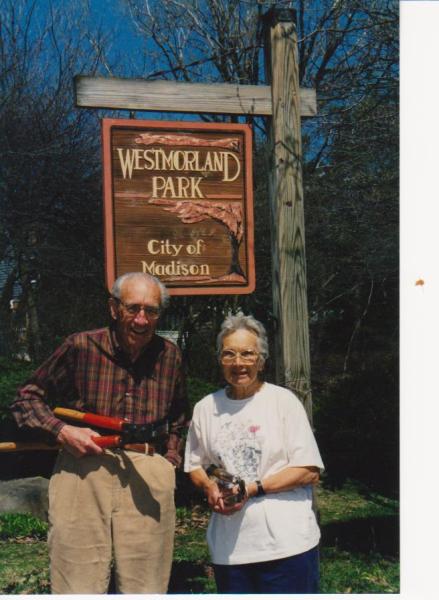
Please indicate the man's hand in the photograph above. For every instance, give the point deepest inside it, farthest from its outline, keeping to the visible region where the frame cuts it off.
(78, 440)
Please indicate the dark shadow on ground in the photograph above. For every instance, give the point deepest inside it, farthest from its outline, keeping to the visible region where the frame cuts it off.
(188, 578)
(18, 465)
(378, 534)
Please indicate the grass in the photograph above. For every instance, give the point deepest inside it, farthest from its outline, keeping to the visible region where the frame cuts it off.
(345, 572)
(360, 541)
(353, 501)
(191, 570)
(190, 546)
(359, 549)
(24, 564)
(24, 567)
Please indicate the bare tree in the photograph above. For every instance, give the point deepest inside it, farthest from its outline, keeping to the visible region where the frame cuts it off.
(200, 40)
(348, 52)
(48, 165)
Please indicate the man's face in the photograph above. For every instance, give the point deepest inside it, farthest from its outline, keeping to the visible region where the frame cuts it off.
(135, 330)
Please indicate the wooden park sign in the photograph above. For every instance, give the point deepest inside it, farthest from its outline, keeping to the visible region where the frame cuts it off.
(178, 204)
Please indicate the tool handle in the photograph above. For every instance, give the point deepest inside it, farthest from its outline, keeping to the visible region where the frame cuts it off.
(113, 423)
(103, 441)
(115, 441)
(108, 441)
(22, 446)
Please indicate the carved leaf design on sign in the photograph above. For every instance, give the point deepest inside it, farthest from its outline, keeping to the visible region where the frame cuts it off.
(147, 139)
(228, 214)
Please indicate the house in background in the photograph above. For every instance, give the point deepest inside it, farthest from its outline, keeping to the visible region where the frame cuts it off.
(12, 334)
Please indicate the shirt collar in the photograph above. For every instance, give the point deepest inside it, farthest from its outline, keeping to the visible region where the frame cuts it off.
(151, 351)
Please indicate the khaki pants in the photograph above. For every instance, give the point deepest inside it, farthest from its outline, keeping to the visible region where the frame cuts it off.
(116, 506)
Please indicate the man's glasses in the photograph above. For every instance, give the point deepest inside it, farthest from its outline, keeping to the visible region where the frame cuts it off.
(248, 357)
(152, 312)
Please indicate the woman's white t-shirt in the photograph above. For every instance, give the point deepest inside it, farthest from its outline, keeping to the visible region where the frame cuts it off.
(254, 438)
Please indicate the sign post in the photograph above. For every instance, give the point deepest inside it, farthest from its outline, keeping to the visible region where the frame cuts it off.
(290, 305)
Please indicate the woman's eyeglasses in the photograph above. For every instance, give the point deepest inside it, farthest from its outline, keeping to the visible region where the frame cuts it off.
(248, 357)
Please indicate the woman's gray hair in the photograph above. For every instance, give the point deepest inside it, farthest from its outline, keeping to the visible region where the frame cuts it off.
(116, 290)
(240, 321)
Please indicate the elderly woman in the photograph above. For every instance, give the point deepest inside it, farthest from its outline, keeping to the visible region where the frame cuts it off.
(267, 541)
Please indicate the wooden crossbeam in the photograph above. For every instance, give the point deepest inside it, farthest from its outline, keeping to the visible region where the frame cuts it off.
(170, 96)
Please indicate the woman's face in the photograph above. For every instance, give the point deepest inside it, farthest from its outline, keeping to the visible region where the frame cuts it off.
(242, 372)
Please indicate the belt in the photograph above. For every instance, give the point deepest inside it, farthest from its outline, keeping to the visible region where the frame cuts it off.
(146, 448)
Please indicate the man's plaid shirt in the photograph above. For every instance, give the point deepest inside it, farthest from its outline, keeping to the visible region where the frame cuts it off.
(91, 373)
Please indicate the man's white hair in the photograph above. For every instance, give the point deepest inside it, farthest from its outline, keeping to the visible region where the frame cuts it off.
(116, 290)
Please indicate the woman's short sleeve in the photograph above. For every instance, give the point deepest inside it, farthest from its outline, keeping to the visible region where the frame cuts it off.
(195, 455)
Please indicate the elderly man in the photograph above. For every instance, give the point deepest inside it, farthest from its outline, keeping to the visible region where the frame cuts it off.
(112, 505)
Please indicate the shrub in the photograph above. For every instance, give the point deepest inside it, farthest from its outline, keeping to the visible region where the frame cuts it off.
(356, 420)
(13, 525)
(197, 389)
(12, 374)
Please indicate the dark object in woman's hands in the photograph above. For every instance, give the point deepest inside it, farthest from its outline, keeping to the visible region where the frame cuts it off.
(231, 487)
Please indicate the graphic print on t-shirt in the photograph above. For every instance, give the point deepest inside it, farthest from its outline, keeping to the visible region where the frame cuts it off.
(238, 447)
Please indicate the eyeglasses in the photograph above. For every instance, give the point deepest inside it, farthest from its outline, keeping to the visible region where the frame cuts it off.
(248, 357)
(152, 312)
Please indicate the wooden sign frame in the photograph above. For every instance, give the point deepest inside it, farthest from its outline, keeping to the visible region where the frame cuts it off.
(176, 194)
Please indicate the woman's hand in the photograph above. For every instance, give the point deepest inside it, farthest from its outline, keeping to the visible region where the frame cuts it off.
(213, 495)
(226, 508)
(216, 498)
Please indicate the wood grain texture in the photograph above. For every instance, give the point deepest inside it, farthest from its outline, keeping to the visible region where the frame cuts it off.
(197, 237)
(288, 233)
(169, 96)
